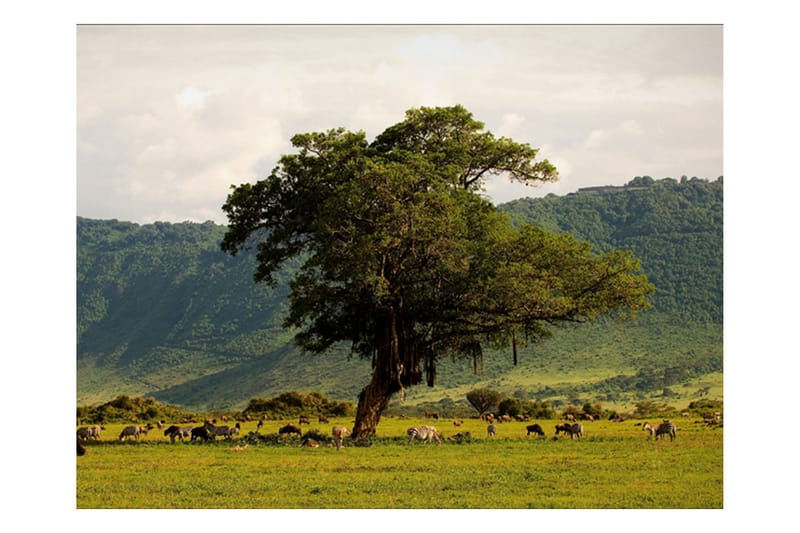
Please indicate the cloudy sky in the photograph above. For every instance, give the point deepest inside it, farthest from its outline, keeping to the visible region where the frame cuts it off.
(169, 116)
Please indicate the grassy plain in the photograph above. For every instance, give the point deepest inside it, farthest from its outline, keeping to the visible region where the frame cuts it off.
(614, 467)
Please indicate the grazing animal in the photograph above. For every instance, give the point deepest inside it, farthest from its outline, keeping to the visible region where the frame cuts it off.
(491, 429)
(303, 420)
(223, 431)
(665, 428)
(323, 420)
(457, 423)
(81, 447)
(424, 433)
(178, 432)
(290, 428)
(132, 431)
(339, 433)
(649, 427)
(94, 432)
(536, 429)
(202, 433)
(83, 433)
(572, 429)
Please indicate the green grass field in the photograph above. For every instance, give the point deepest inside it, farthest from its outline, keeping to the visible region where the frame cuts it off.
(614, 467)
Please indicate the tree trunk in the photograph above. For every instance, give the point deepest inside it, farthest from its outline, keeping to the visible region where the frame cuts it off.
(396, 366)
(372, 401)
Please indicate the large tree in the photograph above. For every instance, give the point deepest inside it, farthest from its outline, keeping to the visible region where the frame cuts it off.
(402, 257)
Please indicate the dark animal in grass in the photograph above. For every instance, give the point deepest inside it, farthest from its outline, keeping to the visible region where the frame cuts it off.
(289, 429)
(536, 429)
(202, 433)
(81, 447)
(571, 429)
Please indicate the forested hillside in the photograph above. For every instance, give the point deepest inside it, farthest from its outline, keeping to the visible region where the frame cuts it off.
(674, 227)
(161, 311)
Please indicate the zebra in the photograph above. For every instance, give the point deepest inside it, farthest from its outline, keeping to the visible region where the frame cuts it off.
(222, 431)
(649, 427)
(665, 428)
(491, 429)
(176, 431)
(424, 433)
(132, 431)
(339, 433)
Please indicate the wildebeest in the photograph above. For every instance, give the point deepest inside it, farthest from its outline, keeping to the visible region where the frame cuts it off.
(83, 433)
(424, 433)
(535, 428)
(303, 420)
(491, 429)
(179, 432)
(202, 433)
(290, 428)
(132, 431)
(572, 429)
(339, 433)
(323, 419)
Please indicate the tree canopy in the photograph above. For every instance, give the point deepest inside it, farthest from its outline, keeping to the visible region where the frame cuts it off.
(403, 258)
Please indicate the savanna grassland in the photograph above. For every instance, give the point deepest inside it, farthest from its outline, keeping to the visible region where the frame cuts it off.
(615, 466)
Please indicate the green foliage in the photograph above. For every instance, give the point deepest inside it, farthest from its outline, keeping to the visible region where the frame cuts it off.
(126, 409)
(674, 228)
(540, 410)
(295, 403)
(483, 400)
(404, 260)
(648, 408)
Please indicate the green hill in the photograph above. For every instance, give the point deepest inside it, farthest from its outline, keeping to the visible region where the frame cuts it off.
(162, 312)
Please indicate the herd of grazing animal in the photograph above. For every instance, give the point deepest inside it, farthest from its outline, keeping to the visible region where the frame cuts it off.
(210, 431)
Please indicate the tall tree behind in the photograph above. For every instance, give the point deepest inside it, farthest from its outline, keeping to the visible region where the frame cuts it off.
(405, 260)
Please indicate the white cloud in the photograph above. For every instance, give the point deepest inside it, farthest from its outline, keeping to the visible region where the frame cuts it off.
(191, 98)
(169, 116)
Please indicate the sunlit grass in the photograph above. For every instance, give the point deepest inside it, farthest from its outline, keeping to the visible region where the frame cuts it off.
(615, 466)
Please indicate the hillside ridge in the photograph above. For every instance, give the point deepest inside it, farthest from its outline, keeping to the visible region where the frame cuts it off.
(161, 311)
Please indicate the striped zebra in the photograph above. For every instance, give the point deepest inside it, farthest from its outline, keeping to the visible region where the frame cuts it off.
(424, 433)
(179, 432)
(665, 428)
(651, 428)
